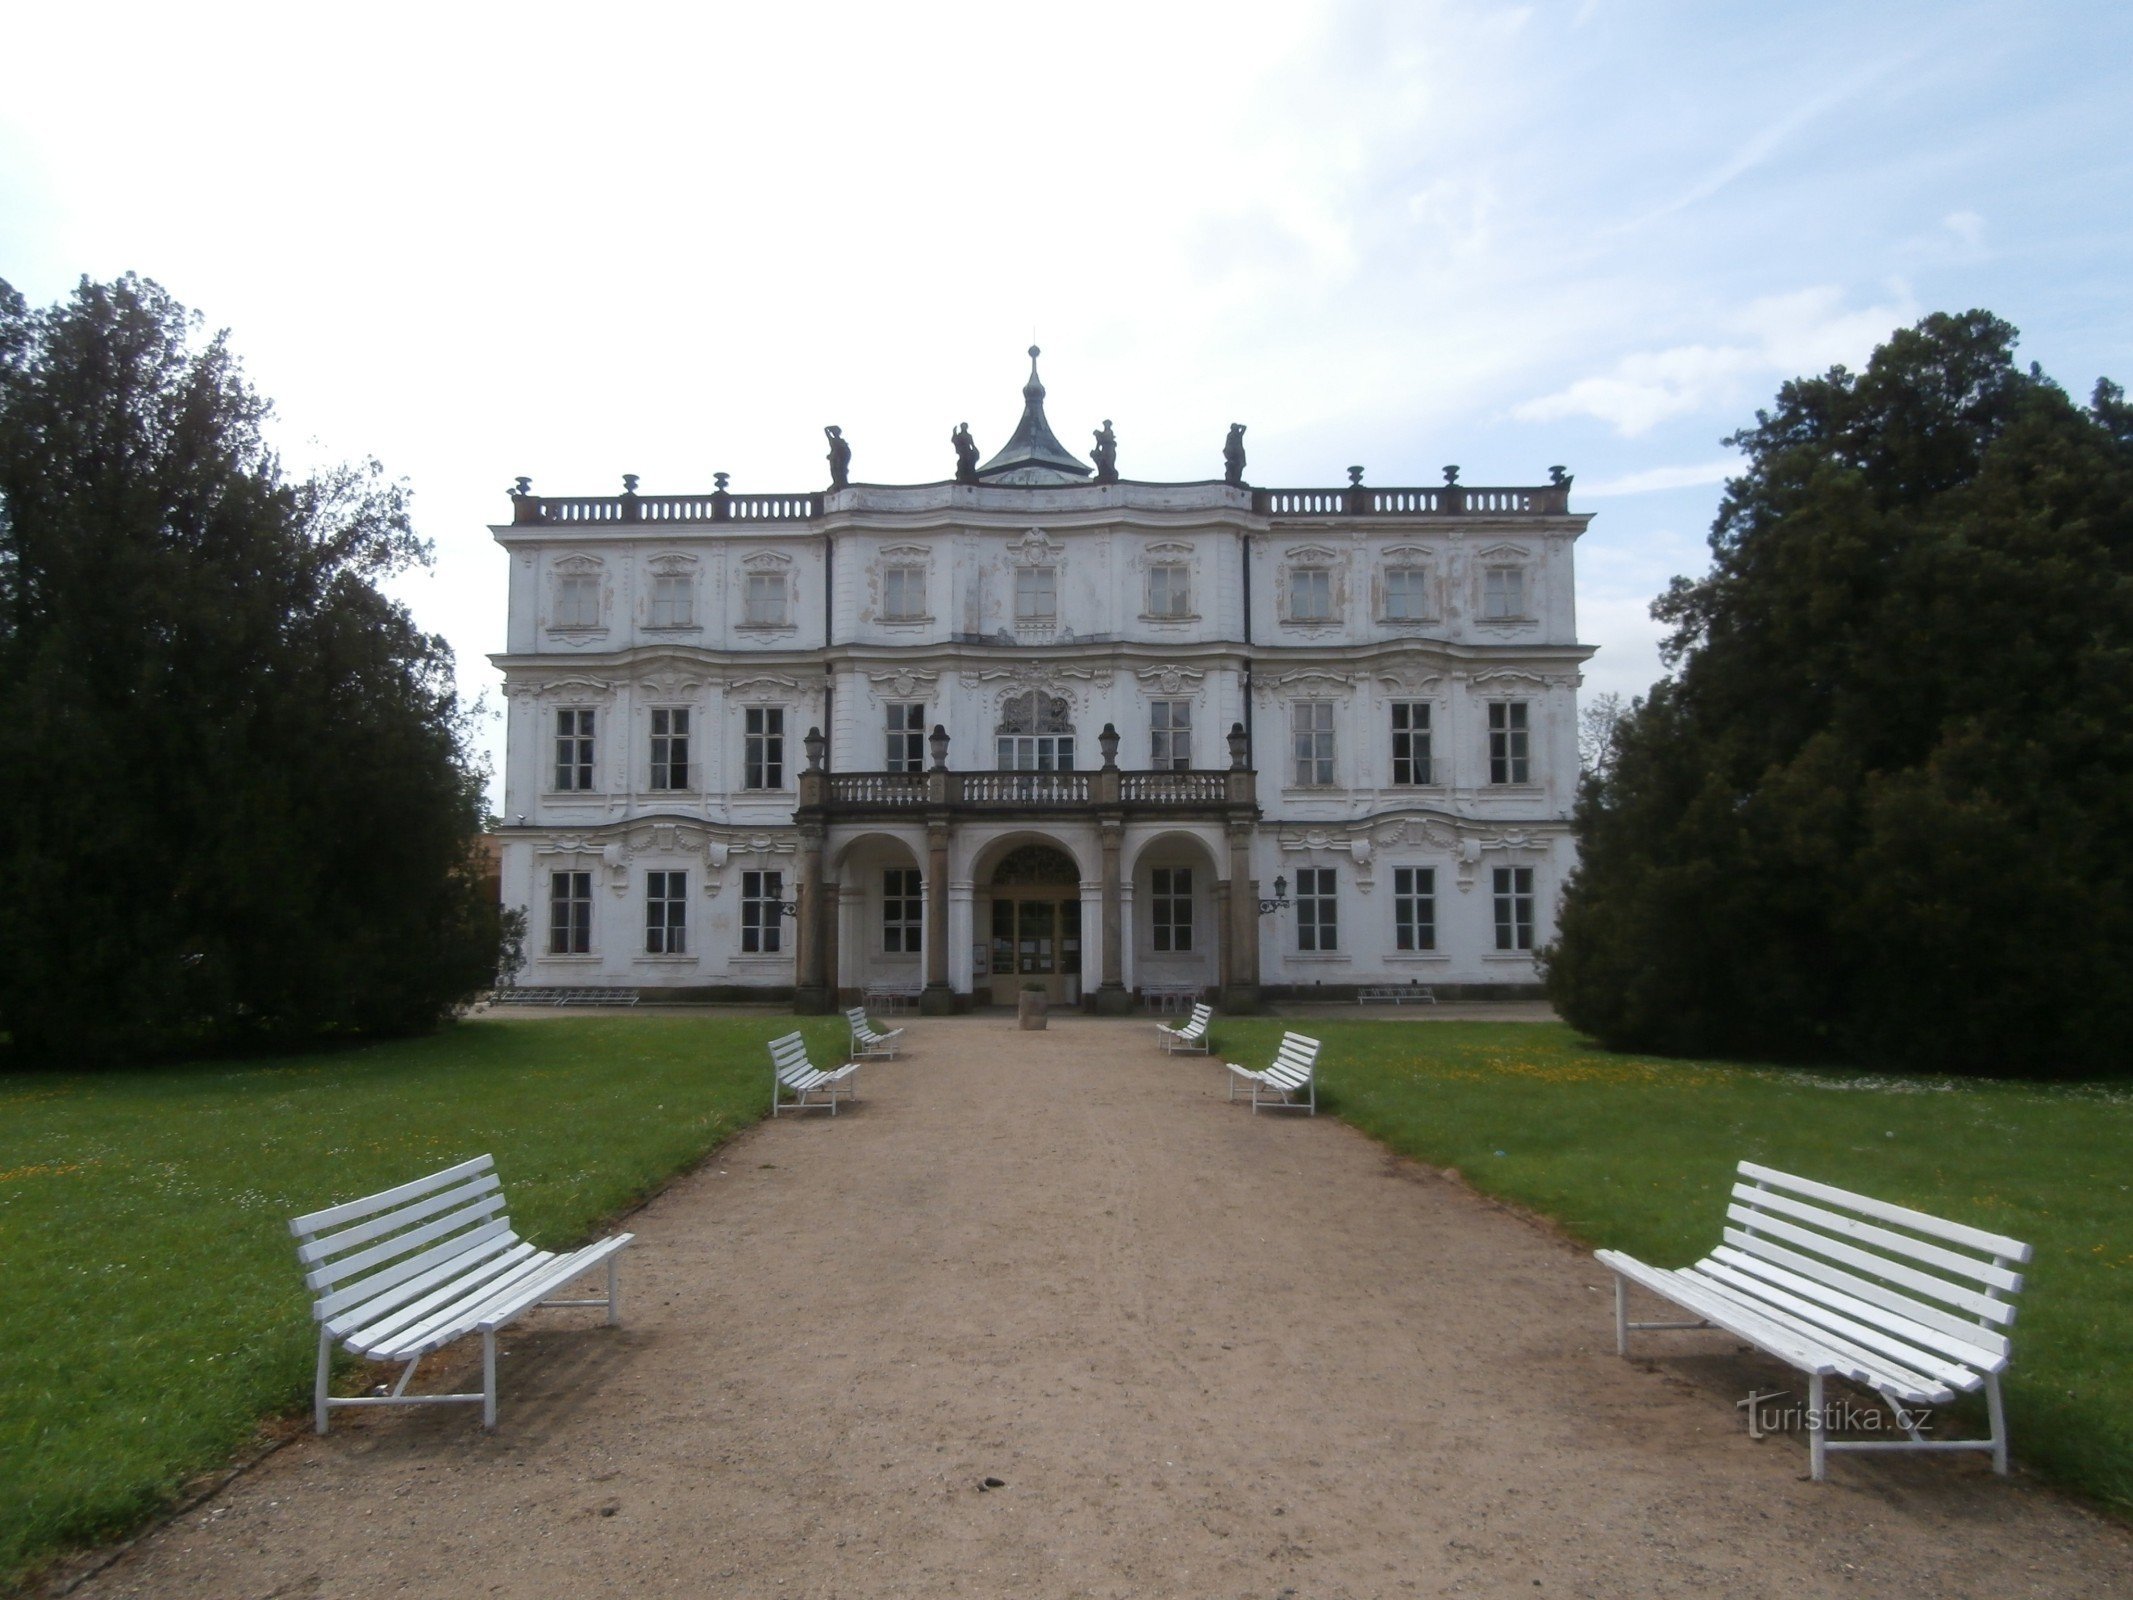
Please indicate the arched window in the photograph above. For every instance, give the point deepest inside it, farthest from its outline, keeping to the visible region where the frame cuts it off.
(1036, 734)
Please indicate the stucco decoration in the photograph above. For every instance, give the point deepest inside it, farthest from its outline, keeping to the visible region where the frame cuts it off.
(1364, 841)
(904, 684)
(673, 563)
(767, 560)
(1503, 678)
(1054, 678)
(762, 682)
(575, 689)
(1171, 679)
(1035, 549)
(1303, 681)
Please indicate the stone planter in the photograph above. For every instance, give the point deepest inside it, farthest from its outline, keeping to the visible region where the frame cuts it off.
(1030, 1008)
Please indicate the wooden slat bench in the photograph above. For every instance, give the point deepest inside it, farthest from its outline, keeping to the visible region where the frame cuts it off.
(1841, 1285)
(406, 1271)
(811, 1088)
(1190, 1035)
(1395, 994)
(1294, 1072)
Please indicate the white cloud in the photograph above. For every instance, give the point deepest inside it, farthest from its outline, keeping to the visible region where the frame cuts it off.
(1657, 480)
(1787, 335)
(1967, 226)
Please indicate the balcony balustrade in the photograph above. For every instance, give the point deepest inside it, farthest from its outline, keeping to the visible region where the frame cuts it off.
(845, 796)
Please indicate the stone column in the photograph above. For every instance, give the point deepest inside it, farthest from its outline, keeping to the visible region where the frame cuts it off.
(962, 934)
(816, 904)
(1111, 997)
(937, 999)
(1242, 990)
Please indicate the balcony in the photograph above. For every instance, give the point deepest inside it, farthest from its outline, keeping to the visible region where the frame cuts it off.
(1128, 796)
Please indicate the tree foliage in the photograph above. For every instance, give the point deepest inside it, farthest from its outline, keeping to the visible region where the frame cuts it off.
(1881, 809)
(239, 801)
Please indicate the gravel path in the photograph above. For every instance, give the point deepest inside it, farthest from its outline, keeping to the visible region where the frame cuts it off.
(1204, 1353)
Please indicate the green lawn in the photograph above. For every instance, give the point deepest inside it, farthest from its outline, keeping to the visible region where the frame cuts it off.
(153, 1308)
(1637, 1153)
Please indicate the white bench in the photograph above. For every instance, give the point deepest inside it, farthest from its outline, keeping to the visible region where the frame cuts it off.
(1841, 1285)
(406, 1271)
(1294, 1072)
(1394, 994)
(866, 1043)
(891, 999)
(811, 1088)
(1169, 1000)
(1188, 1036)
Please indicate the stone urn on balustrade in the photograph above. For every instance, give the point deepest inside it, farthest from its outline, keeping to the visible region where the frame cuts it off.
(1030, 1006)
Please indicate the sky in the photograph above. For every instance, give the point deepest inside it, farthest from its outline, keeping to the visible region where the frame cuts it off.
(477, 241)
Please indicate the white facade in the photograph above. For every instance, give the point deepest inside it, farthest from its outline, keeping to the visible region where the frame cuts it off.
(1404, 662)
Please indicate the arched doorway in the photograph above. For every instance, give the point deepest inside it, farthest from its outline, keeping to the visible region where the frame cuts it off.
(1036, 924)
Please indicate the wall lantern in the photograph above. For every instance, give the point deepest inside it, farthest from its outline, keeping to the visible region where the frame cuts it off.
(1281, 896)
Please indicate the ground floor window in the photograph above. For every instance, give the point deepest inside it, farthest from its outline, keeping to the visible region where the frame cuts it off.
(903, 911)
(1514, 908)
(762, 905)
(570, 913)
(1317, 910)
(1414, 908)
(666, 913)
(1170, 908)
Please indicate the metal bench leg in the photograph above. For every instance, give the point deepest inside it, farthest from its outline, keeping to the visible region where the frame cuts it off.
(488, 1379)
(1817, 1439)
(614, 1291)
(1621, 1315)
(325, 1372)
(1999, 1423)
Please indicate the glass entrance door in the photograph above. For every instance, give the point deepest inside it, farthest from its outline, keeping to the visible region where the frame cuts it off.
(1035, 940)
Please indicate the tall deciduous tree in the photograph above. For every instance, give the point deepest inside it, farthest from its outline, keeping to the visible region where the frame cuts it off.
(1882, 807)
(238, 800)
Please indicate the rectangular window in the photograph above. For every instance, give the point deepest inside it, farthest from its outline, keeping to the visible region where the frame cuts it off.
(1406, 594)
(1514, 908)
(1507, 743)
(1170, 907)
(1168, 593)
(762, 913)
(1312, 724)
(666, 913)
(1414, 908)
(1317, 910)
(1310, 594)
(1410, 742)
(903, 911)
(574, 748)
(1036, 594)
(906, 736)
(670, 748)
(1503, 592)
(570, 913)
(903, 594)
(1170, 735)
(673, 600)
(577, 600)
(763, 748)
(764, 600)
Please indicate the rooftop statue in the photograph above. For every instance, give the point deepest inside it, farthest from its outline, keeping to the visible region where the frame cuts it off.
(840, 458)
(966, 454)
(1233, 456)
(1106, 454)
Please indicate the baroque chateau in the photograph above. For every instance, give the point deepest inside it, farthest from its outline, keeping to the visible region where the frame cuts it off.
(1040, 724)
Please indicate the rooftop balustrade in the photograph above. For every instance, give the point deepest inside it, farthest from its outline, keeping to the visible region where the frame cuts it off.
(1451, 499)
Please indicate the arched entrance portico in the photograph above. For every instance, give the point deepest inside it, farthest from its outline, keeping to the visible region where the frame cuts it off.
(1034, 921)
